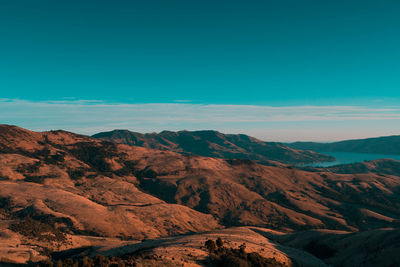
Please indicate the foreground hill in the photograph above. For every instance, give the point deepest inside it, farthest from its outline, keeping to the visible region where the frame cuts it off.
(189, 250)
(215, 144)
(312, 248)
(59, 190)
(389, 145)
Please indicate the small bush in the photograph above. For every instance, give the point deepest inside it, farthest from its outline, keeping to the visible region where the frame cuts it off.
(210, 245)
(219, 242)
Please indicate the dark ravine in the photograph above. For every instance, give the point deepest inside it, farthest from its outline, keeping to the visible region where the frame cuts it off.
(216, 144)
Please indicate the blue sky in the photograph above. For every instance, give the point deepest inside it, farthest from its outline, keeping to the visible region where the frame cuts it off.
(203, 58)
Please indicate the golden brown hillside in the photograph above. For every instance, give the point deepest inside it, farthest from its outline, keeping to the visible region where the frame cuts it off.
(59, 190)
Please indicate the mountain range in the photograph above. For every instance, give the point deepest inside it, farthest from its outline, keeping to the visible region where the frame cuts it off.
(215, 144)
(64, 195)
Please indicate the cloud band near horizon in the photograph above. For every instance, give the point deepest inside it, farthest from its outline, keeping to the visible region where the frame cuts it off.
(284, 123)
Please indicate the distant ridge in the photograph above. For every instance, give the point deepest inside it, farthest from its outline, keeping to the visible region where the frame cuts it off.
(215, 144)
(378, 166)
(389, 145)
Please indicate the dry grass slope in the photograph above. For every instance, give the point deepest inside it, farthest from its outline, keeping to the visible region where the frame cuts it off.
(72, 191)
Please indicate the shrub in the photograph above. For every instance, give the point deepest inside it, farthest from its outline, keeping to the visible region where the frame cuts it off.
(210, 245)
(219, 242)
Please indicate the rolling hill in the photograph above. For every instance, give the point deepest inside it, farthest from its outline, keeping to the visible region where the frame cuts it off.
(60, 191)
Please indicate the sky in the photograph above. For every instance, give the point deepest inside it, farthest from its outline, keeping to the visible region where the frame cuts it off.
(278, 70)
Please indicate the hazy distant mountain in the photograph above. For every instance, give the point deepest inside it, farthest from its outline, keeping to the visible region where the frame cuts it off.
(379, 145)
(215, 144)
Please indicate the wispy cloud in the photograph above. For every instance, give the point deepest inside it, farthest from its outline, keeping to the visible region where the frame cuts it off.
(91, 116)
